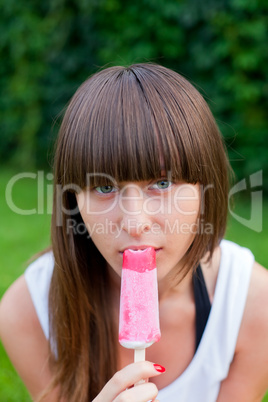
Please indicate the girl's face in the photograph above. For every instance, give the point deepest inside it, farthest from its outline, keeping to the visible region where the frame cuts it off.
(158, 213)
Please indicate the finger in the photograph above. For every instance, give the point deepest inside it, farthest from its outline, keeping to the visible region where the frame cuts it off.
(141, 382)
(127, 377)
(142, 393)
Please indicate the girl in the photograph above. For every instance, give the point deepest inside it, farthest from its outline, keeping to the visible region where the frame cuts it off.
(140, 162)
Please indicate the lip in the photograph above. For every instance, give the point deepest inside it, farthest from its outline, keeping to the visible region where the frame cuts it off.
(142, 247)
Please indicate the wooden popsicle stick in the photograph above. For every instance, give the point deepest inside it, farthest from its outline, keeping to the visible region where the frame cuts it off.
(139, 356)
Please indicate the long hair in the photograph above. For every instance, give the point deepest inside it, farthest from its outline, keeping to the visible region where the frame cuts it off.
(124, 122)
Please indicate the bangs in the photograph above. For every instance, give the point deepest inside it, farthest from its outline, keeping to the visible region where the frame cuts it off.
(131, 124)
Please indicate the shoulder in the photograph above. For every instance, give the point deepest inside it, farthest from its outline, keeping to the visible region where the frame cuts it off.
(16, 308)
(23, 338)
(41, 267)
(247, 379)
(255, 288)
(250, 361)
(255, 320)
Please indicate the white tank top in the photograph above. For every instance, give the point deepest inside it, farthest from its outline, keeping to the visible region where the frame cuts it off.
(210, 364)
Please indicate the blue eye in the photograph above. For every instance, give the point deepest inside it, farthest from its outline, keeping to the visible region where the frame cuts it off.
(105, 189)
(162, 184)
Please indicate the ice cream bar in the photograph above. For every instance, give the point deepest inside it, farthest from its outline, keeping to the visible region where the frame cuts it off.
(139, 312)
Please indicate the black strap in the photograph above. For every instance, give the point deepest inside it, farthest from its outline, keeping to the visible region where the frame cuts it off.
(202, 304)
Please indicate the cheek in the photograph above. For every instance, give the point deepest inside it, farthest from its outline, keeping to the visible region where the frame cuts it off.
(186, 201)
(90, 204)
(181, 224)
(188, 211)
(188, 205)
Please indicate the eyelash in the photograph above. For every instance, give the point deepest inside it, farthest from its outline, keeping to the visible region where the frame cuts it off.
(159, 181)
(114, 189)
(150, 187)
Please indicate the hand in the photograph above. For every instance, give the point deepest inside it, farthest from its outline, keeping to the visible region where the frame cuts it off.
(120, 387)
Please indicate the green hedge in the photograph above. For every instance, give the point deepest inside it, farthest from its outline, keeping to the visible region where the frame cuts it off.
(48, 48)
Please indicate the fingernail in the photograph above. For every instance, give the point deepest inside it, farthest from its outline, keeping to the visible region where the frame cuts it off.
(159, 368)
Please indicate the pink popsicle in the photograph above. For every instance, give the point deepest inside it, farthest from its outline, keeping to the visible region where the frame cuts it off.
(139, 312)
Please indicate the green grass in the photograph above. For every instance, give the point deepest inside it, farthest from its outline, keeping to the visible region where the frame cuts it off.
(22, 236)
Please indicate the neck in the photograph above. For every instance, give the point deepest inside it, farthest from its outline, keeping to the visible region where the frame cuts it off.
(176, 284)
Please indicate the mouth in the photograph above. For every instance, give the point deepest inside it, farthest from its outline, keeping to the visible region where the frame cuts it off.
(139, 249)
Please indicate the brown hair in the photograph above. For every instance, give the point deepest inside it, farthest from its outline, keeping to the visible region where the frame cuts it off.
(121, 122)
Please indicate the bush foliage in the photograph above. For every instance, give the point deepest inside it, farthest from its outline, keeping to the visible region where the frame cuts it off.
(48, 48)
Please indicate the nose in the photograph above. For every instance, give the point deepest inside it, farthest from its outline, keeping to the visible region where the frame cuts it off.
(135, 220)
